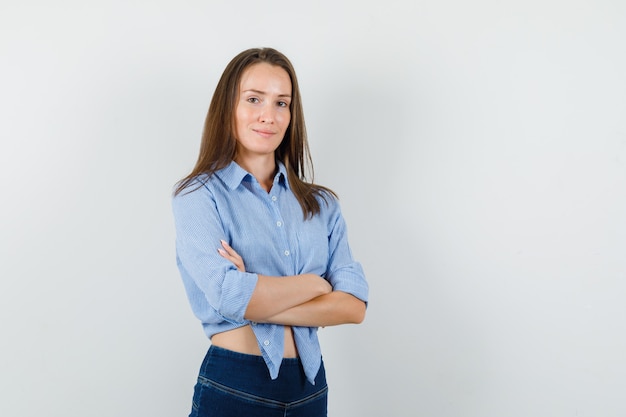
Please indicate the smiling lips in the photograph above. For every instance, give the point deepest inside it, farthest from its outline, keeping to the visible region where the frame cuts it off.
(264, 133)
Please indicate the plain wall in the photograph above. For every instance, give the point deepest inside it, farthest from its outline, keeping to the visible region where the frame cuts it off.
(478, 148)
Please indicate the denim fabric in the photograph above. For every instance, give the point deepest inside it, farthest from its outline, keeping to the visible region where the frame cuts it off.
(232, 384)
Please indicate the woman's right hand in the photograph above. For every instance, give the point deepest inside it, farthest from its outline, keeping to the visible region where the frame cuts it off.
(229, 253)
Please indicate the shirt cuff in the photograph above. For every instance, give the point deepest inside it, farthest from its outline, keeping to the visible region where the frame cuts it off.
(237, 289)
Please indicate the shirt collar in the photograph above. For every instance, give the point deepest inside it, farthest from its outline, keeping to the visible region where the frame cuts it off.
(233, 175)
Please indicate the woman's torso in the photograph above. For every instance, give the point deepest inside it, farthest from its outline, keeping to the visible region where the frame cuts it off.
(271, 234)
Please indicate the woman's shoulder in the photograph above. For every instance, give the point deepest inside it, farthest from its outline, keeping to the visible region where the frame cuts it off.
(193, 186)
(219, 177)
(328, 200)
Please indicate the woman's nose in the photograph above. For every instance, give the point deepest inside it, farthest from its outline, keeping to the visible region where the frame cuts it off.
(266, 115)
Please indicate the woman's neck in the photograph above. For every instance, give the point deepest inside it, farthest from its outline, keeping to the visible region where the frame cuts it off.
(263, 168)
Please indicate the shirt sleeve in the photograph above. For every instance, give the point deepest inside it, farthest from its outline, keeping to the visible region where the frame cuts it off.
(199, 230)
(344, 273)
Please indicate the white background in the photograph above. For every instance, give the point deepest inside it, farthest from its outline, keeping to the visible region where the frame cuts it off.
(479, 150)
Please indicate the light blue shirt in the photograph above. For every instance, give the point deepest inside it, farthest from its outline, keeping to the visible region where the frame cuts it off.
(270, 233)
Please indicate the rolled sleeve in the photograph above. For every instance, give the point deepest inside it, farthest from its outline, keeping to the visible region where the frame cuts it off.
(351, 279)
(237, 289)
(344, 273)
(213, 284)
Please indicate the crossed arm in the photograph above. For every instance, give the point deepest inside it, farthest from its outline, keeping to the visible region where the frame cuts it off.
(298, 300)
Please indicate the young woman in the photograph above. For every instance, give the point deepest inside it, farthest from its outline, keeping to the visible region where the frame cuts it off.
(263, 253)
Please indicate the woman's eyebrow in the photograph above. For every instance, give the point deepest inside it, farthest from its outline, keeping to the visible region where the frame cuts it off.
(252, 90)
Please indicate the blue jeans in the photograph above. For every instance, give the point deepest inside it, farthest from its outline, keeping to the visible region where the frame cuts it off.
(232, 384)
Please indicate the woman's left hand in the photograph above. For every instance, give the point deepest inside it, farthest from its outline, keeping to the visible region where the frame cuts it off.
(229, 253)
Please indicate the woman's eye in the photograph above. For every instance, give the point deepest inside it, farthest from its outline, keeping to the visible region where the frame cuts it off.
(283, 104)
(253, 100)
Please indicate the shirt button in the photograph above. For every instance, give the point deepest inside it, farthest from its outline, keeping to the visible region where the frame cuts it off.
(279, 224)
(266, 343)
(274, 198)
(286, 253)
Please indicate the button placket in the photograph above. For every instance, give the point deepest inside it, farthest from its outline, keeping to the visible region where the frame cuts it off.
(279, 222)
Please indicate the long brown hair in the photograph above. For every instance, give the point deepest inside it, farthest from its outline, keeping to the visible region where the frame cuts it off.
(218, 145)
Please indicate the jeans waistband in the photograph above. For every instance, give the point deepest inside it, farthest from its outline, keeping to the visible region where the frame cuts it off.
(226, 354)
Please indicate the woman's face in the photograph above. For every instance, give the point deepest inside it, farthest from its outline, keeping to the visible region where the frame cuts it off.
(262, 113)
